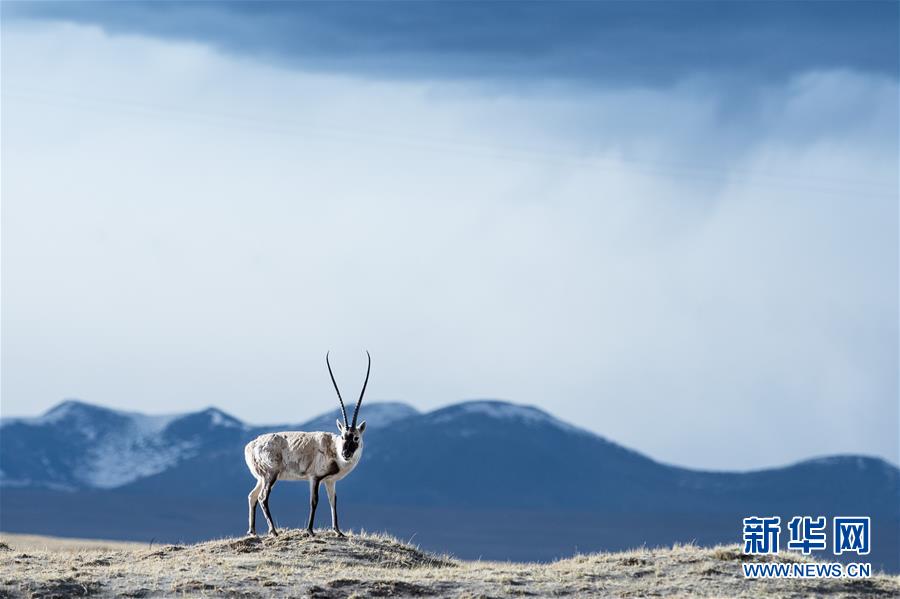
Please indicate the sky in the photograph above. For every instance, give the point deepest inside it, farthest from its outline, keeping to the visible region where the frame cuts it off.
(674, 224)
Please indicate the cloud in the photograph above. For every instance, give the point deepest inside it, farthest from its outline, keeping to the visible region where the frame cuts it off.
(714, 284)
(594, 43)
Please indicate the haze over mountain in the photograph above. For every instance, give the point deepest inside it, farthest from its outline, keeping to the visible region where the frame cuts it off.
(478, 478)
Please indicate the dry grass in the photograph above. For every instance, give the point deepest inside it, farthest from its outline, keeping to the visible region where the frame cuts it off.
(367, 565)
(21, 542)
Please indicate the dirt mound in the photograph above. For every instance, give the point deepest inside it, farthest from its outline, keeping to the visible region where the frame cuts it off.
(371, 550)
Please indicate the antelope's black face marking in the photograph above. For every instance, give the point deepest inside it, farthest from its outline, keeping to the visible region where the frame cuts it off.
(351, 438)
(351, 443)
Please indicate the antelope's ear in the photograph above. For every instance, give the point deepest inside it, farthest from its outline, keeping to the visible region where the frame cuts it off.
(339, 425)
(362, 427)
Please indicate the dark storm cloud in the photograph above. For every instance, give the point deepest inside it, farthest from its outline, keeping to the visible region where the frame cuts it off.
(585, 42)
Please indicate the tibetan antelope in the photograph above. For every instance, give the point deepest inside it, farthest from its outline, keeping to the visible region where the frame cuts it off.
(317, 457)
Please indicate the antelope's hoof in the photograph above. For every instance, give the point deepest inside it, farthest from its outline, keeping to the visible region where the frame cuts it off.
(273, 533)
(339, 533)
(251, 533)
(310, 532)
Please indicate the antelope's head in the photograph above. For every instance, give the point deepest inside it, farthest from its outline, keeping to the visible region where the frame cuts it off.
(351, 434)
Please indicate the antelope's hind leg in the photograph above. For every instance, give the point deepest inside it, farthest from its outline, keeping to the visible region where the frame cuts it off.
(252, 499)
(264, 500)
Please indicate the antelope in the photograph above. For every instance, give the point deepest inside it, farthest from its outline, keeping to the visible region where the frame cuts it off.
(315, 456)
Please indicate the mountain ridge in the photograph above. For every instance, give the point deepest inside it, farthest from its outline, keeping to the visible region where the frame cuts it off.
(386, 412)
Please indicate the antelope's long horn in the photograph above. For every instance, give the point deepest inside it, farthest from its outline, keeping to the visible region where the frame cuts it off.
(340, 399)
(363, 392)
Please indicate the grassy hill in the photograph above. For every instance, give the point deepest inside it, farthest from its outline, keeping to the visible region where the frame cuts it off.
(367, 565)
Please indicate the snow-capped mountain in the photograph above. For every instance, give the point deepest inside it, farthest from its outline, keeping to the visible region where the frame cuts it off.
(504, 449)
(76, 445)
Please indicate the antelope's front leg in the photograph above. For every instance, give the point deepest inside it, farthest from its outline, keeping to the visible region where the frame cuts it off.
(252, 499)
(332, 499)
(313, 502)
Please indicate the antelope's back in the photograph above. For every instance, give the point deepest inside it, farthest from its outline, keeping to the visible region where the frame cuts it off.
(288, 454)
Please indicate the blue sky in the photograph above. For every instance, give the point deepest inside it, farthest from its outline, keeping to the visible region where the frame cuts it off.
(675, 224)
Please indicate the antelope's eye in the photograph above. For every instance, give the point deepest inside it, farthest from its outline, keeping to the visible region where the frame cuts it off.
(356, 438)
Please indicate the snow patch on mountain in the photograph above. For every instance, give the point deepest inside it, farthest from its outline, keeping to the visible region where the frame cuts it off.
(220, 418)
(119, 461)
(377, 414)
(151, 425)
(502, 410)
(496, 409)
(133, 451)
(138, 449)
